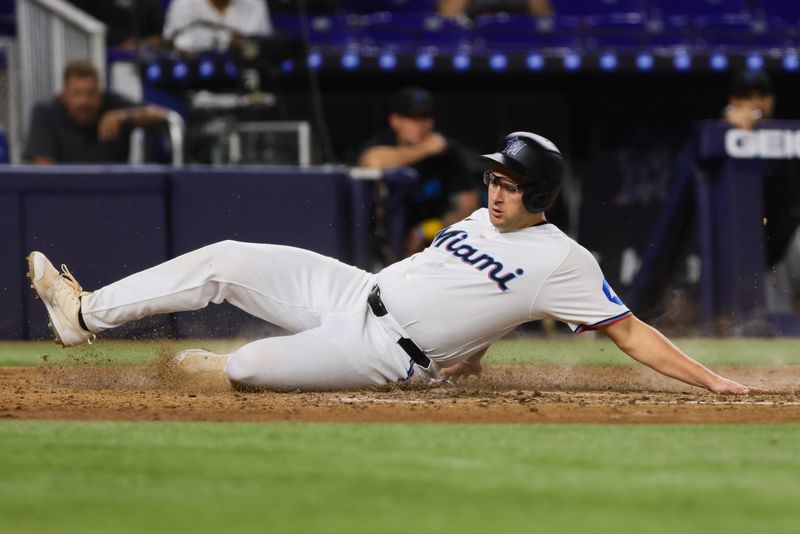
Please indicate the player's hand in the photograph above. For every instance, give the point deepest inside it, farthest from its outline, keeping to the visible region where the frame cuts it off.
(744, 117)
(110, 124)
(434, 143)
(724, 385)
(461, 371)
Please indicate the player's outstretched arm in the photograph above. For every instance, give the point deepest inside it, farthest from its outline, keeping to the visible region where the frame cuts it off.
(647, 345)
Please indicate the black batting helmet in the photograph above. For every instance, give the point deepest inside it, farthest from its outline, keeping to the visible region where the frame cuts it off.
(539, 163)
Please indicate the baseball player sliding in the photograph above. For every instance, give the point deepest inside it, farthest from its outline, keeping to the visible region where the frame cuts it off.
(431, 315)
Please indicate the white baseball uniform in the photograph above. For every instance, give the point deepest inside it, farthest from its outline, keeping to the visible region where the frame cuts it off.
(473, 285)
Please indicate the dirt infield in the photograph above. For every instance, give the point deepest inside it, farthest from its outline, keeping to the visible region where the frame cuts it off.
(506, 393)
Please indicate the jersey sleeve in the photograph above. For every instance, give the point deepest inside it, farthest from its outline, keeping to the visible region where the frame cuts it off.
(578, 294)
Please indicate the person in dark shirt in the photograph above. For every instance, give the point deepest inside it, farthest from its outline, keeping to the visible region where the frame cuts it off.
(752, 100)
(85, 124)
(129, 23)
(445, 193)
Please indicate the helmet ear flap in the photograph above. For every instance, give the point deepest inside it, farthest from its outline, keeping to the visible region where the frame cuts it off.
(536, 201)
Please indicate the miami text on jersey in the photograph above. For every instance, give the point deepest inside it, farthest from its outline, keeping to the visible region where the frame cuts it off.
(453, 243)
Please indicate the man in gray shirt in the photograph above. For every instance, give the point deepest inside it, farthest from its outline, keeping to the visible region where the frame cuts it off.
(85, 124)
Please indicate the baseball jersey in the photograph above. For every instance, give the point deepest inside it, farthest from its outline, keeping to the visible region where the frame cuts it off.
(475, 284)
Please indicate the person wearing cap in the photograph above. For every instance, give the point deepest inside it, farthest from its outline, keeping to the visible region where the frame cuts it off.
(445, 194)
(751, 99)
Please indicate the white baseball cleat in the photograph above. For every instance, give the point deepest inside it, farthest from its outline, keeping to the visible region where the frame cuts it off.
(61, 295)
(201, 361)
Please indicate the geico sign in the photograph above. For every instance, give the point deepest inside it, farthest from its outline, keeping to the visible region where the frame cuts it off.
(772, 144)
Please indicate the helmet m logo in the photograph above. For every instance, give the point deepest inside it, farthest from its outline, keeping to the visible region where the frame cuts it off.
(514, 146)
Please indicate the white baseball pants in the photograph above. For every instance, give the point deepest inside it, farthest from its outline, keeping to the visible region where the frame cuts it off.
(337, 342)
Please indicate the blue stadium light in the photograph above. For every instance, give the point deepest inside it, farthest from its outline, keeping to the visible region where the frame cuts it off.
(387, 61)
(231, 70)
(350, 61)
(206, 69)
(718, 61)
(645, 62)
(425, 61)
(180, 70)
(498, 61)
(572, 61)
(287, 66)
(535, 61)
(682, 62)
(153, 72)
(791, 62)
(462, 61)
(608, 61)
(755, 62)
(314, 60)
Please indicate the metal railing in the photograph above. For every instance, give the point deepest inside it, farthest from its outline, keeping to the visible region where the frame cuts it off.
(301, 129)
(50, 34)
(9, 98)
(175, 132)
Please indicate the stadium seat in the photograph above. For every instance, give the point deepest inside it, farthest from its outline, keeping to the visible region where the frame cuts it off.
(583, 8)
(774, 33)
(322, 30)
(788, 10)
(508, 31)
(697, 8)
(724, 30)
(700, 23)
(781, 14)
(522, 32)
(616, 30)
(395, 6)
(412, 29)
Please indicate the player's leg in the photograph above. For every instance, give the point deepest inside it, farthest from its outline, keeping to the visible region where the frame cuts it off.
(336, 355)
(290, 287)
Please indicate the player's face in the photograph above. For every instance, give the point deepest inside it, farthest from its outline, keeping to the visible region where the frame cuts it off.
(506, 211)
(410, 130)
(82, 98)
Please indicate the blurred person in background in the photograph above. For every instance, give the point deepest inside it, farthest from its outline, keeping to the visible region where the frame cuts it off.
(445, 194)
(85, 124)
(474, 8)
(752, 100)
(129, 23)
(197, 25)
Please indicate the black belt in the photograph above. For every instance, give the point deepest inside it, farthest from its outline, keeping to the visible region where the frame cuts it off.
(411, 348)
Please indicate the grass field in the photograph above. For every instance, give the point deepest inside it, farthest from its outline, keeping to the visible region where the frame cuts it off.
(67, 476)
(188, 477)
(561, 350)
